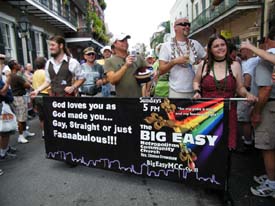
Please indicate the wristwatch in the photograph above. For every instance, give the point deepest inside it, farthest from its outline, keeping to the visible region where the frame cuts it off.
(197, 91)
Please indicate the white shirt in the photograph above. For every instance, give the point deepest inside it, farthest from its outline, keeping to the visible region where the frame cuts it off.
(181, 77)
(74, 67)
(249, 65)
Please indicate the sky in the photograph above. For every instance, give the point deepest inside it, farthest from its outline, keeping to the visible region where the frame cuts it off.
(138, 18)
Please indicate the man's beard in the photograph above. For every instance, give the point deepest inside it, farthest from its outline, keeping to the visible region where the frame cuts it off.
(54, 55)
(185, 33)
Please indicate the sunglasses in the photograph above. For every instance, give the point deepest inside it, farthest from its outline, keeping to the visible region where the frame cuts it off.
(90, 54)
(184, 24)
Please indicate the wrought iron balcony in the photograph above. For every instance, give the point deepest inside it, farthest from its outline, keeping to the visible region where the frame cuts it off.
(211, 13)
(52, 11)
(58, 9)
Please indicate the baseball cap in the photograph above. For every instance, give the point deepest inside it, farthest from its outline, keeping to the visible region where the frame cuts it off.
(119, 37)
(150, 56)
(2, 56)
(105, 48)
(89, 50)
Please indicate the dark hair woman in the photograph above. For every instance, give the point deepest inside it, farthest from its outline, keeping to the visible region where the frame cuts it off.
(220, 77)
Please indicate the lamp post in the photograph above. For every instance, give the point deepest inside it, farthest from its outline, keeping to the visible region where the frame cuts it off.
(24, 24)
(23, 27)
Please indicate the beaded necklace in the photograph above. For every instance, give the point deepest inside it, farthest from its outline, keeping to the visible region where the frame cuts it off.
(218, 83)
(176, 48)
(190, 47)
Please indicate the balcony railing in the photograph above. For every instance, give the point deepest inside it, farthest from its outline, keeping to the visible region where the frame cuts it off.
(212, 13)
(58, 9)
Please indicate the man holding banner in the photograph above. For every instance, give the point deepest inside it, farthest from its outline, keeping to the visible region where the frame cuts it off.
(63, 73)
(178, 57)
(121, 67)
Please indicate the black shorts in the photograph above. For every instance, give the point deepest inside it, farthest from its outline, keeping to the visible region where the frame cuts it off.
(38, 103)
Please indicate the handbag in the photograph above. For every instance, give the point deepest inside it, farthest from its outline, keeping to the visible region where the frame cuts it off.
(8, 122)
(8, 98)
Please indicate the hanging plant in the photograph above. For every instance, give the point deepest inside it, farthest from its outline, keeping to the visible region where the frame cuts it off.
(102, 4)
(66, 2)
(98, 28)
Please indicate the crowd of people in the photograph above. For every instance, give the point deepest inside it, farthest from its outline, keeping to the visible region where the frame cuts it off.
(180, 68)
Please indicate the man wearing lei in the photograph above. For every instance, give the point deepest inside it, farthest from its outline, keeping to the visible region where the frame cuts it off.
(178, 57)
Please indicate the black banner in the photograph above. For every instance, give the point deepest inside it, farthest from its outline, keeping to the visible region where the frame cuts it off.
(175, 139)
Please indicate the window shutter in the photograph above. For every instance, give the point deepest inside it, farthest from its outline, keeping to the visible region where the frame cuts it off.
(2, 45)
(45, 45)
(19, 48)
(33, 48)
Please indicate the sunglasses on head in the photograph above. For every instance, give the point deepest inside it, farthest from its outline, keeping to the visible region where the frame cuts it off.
(90, 54)
(184, 24)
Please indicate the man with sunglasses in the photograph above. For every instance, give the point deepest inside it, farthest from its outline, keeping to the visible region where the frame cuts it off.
(178, 57)
(93, 72)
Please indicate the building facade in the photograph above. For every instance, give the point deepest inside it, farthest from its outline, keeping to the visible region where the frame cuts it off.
(45, 18)
(235, 19)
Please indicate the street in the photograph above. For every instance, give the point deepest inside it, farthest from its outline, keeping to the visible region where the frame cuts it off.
(31, 179)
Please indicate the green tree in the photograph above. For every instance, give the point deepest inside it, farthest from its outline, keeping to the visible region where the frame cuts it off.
(158, 36)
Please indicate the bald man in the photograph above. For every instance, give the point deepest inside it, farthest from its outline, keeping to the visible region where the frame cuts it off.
(177, 58)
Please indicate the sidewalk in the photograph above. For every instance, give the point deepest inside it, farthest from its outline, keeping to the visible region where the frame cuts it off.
(244, 167)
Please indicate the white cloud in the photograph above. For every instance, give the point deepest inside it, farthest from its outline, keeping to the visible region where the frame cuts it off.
(138, 18)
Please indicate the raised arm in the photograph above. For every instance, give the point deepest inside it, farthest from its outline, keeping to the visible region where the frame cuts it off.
(260, 52)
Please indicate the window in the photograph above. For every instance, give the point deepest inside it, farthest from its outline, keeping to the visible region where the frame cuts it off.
(77, 18)
(38, 44)
(56, 6)
(6, 34)
(45, 2)
(203, 4)
(196, 9)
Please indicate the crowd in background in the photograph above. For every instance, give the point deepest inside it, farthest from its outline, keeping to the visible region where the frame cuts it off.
(180, 68)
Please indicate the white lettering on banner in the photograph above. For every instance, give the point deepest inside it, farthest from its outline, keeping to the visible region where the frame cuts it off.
(95, 106)
(197, 140)
(80, 115)
(72, 105)
(99, 117)
(59, 114)
(177, 138)
(59, 105)
(125, 130)
(62, 125)
(153, 136)
(111, 140)
(169, 165)
(110, 107)
(150, 100)
(85, 126)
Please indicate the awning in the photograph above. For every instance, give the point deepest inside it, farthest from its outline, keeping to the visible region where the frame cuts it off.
(83, 39)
